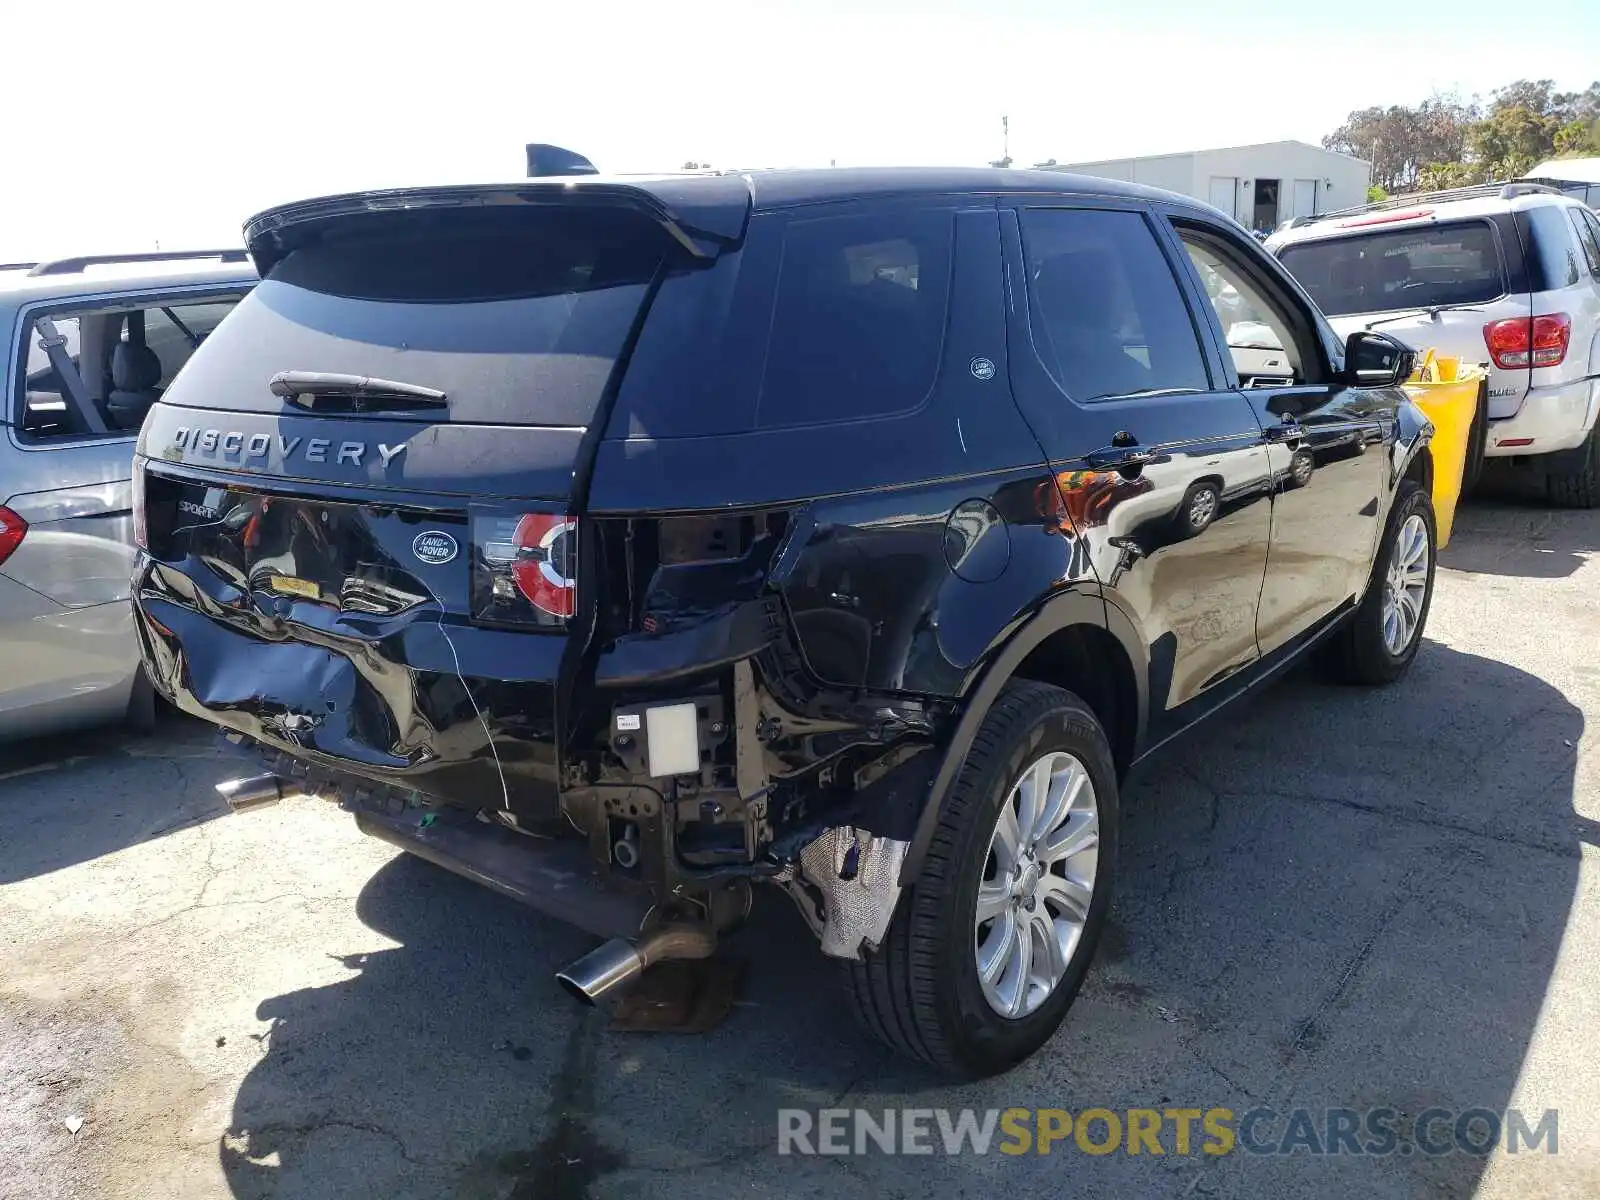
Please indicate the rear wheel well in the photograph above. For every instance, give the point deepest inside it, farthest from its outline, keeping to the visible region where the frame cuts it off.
(1088, 661)
(1420, 469)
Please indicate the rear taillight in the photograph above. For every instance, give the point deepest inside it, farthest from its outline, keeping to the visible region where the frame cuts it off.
(1528, 341)
(524, 568)
(141, 526)
(12, 530)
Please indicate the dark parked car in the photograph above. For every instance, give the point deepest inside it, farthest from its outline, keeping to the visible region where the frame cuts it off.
(624, 543)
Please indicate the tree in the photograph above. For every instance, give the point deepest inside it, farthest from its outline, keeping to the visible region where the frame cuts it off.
(1399, 140)
(1436, 177)
(1513, 138)
(1447, 142)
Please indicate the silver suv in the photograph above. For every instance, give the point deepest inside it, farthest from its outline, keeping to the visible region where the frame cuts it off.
(92, 344)
(1504, 275)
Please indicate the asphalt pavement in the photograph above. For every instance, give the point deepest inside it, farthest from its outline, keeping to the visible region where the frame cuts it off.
(1334, 899)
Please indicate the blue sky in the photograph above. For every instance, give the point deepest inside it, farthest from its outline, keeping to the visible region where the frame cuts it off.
(171, 121)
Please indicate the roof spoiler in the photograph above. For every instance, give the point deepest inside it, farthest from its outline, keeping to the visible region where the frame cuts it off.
(703, 215)
(545, 161)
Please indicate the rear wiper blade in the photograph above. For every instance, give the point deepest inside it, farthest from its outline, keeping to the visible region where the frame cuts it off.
(330, 390)
(1431, 312)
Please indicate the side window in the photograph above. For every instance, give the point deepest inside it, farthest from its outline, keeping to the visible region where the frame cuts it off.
(1107, 314)
(1583, 221)
(174, 331)
(44, 407)
(114, 361)
(1555, 251)
(1259, 328)
(858, 321)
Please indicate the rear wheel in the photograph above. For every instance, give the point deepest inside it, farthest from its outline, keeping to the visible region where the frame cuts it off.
(991, 945)
(1477, 443)
(140, 717)
(1578, 487)
(1382, 636)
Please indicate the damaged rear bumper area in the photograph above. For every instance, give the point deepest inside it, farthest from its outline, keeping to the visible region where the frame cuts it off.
(635, 789)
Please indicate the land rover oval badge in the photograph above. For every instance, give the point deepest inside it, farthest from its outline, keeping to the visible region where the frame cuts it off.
(434, 547)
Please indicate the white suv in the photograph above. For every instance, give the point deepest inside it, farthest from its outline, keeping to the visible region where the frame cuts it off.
(1504, 275)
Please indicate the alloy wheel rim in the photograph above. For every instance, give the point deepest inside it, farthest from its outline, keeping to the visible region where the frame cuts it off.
(1202, 506)
(1036, 885)
(1406, 585)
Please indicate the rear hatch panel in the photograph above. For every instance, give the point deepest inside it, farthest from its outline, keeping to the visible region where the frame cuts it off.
(314, 579)
(311, 626)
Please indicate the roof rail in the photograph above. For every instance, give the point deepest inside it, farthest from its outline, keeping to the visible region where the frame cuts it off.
(1504, 191)
(70, 266)
(17, 266)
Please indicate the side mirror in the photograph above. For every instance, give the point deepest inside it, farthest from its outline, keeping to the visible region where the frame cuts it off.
(1376, 360)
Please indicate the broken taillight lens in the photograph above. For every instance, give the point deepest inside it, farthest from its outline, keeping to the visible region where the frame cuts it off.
(12, 530)
(524, 568)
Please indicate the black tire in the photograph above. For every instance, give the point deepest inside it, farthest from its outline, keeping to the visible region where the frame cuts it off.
(1357, 654)
(1580, 486)
(140, 717)
(919, 992)
(1477, 443)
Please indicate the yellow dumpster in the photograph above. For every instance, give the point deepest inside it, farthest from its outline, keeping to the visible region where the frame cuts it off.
(1447, 391)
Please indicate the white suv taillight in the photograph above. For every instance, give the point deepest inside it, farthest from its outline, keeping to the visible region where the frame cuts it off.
(1528, 341)
(524, 568)
(12, 530)
(141, 527)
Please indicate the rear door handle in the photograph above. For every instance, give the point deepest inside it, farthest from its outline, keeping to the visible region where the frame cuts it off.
(1124, 454)
(1121, 459)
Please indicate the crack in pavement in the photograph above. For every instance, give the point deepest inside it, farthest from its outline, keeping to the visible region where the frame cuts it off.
(1562, 850)
(241, 900)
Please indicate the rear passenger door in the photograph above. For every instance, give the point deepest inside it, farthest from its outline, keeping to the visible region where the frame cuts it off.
(1160, 464)
(1326, 442)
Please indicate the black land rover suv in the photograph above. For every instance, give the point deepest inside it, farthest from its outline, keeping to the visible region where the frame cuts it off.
(622, 543)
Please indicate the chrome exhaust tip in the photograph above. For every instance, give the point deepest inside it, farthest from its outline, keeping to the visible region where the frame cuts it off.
(615, 965)
(606, 968)
(252, 792)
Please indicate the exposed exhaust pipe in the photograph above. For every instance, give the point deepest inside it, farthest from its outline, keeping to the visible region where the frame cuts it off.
(254, 791)
(619, 963)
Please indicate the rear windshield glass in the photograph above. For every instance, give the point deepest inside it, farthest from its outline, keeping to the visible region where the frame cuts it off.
(1448, 263)
(517, 316)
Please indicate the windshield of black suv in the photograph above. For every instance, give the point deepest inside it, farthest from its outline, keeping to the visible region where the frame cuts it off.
(1456, 262)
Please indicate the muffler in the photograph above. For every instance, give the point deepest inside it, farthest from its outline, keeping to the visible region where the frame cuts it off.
(618, 963)
(254, 791)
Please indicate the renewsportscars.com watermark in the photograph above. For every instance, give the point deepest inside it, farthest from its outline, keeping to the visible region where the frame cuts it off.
(1215, 1131)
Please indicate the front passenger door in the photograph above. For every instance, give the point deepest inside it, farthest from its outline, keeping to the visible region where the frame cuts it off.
(1325, 441)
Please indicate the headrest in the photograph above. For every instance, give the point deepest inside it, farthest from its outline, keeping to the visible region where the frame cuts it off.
(134, 368)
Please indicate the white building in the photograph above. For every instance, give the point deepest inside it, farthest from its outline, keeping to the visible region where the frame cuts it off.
(1261, 185)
